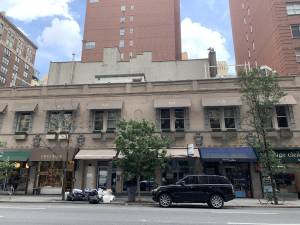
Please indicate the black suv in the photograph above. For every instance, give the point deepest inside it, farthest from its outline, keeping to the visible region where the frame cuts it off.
(213, 190)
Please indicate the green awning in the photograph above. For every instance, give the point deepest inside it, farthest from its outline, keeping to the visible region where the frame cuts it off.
(15, 156)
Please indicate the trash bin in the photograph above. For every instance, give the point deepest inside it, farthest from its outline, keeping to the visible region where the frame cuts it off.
(131, 191)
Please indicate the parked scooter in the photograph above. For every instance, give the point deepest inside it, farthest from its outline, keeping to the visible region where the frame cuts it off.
(94, 197)
(79, 195)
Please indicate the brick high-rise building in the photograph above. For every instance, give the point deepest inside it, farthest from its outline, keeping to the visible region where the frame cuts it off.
(17, 55)
(267, 32)
(135, 26)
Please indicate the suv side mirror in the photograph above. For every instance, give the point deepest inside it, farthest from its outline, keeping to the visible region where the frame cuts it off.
(182, 183)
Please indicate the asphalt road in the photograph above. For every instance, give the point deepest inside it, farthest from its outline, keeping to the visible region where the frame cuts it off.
(84, 214)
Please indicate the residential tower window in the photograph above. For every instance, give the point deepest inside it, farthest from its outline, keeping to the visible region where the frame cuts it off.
(295, 30)
(3, 70)
(122, 44)
(10, 39)
(297, 52)
(293, 8)
(5, 61)
(90, 45)
(6, 53)
(24, 122)
(122, 31)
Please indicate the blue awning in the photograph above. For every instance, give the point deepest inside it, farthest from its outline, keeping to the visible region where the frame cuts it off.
(241, 154)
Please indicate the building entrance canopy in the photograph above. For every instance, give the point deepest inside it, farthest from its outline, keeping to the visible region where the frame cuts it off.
(109, 154)
(16, 156)
(241, 154)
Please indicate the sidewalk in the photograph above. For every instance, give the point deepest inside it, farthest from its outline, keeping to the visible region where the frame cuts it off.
(145, 200)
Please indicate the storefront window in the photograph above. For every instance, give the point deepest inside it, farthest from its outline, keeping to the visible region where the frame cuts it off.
(286, 182)
(50, 174)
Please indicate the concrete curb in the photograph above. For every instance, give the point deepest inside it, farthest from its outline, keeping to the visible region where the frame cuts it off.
(145, 204)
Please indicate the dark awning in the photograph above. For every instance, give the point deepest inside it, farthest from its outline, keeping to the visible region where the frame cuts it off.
(15, 156)
(241, 154)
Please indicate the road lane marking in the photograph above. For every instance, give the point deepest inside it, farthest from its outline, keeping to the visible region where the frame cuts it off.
(252, 213)
(22, 208)
(234, 223)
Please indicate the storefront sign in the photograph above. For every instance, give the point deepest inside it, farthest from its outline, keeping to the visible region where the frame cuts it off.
(190, 150)
(288, 156)
(51, 157)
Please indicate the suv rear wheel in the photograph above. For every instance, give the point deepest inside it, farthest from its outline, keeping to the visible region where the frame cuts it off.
(216, 201)
(165, 200)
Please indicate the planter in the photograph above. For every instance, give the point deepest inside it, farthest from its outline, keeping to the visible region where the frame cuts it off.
(96, 136)
(20, 136)
(62, 136)
(180, 134)
(50, 136)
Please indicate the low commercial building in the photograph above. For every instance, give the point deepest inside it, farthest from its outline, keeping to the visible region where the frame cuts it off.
(138, 69)
(43, 127)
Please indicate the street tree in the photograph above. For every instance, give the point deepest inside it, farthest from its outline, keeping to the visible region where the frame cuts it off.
(6, 167)
(141, 150)
(261, 92)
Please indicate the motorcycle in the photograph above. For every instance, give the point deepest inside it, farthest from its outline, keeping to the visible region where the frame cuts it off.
(79, 195)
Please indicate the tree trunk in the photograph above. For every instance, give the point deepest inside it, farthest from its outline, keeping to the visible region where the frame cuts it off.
(138, 188)
(63, 189)
(274, 194)
(273, 183)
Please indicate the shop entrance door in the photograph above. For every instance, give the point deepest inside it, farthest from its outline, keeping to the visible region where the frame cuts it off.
(102, 178)
(239, 175)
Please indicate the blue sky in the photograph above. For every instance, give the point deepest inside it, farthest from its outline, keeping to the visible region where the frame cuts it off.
(56, 26)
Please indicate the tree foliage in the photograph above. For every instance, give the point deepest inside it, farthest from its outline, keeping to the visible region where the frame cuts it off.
(262, 92)
(140, 149)
(6, 168)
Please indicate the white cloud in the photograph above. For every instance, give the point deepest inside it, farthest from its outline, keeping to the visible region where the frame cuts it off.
(62, 37)
(196, 39)
(29, 10)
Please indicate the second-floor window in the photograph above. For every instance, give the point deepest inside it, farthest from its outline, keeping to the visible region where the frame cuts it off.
(112, 120)
(24, 122)
(61, 121)
(105, 120)
(222, 118)
(173, 119)
(282, 118)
